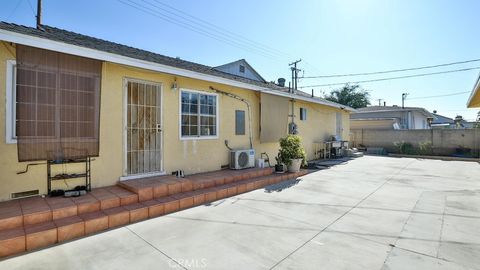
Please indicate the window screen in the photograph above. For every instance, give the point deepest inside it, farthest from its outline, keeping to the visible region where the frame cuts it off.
(199, 114)
(303, 114)
(57, 105)
(239, 122)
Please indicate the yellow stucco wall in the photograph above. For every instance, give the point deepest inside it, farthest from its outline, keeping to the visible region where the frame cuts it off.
(319, 125)
(189, 155)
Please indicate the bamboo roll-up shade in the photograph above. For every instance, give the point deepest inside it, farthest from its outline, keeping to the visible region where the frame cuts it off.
(57, 105)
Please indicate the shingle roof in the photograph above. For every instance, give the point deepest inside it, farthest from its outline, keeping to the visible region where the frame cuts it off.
(72, 38)
(373, 109)
(440, 119)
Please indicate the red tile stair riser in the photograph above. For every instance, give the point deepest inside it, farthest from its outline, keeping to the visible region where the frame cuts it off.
(117, 216)
(94, 222)
(12, 241)
(70, 228)
(61, 219)
(210, 195)
(185, 200)
(62, 207)
(35, 210)
(170, 203)
(86, 204)
(106, 198)
(10, 216)
(126, 196)
(155, 208)
(137, 211)
(40, 235)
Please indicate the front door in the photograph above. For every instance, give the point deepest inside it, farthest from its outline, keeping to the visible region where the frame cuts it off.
(143, 128)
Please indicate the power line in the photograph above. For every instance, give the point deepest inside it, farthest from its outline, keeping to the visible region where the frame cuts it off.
(444, 95)
(217, 28)
(31, 8)
(391, 71)
(195, 28)
(14, 10)
(392, 78)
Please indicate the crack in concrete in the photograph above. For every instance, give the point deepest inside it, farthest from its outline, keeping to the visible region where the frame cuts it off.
(157, 249)
(344, 214)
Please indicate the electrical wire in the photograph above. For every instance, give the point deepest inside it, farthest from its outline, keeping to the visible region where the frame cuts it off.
(194, 28)
(391, 71)
(437, 96)
(391, 78)
(31, 8)
(14, 10)
(214, 27)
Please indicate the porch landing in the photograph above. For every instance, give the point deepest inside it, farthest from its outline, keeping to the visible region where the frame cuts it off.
(33, 223)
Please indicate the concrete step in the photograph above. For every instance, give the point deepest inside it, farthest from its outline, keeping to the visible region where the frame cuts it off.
(34, 223)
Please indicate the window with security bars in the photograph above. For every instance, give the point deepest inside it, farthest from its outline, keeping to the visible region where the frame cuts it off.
(199, 114)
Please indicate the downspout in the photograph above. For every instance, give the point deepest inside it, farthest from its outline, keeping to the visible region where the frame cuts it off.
(248, 108)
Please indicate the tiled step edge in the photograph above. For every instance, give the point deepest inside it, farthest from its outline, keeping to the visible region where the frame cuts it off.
(35, 236)
(157, 187)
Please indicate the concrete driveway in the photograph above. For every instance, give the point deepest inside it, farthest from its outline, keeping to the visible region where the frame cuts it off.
(368, 213)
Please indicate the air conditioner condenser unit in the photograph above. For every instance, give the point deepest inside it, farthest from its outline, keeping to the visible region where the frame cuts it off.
(241, 159)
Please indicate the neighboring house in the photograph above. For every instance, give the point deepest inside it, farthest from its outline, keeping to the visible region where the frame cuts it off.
(390, 117)
(242, 69)
(136, 112)
(443, 122)
(474, 99)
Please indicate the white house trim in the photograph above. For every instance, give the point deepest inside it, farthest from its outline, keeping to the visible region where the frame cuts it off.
(48, 44)
(10, 112)
(189, 138)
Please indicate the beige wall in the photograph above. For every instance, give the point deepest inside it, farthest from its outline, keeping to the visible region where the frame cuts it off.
(444, 141)
(319, 126)
(372, 124)
(189, 155)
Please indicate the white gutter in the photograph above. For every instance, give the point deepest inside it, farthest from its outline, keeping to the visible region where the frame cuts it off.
(62, 47)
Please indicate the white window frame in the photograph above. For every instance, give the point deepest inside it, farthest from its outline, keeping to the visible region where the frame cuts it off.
(303, 117)
(10, 106)
(198, 137)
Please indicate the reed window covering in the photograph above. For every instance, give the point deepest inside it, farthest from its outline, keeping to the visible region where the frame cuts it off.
(57, 105)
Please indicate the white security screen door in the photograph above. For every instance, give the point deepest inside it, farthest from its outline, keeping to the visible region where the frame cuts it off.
(144, 133)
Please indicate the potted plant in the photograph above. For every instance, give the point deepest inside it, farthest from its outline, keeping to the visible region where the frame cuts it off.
(292, 153)
(279, 167)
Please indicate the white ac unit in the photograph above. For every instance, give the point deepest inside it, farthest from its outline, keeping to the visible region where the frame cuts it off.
(241, 159)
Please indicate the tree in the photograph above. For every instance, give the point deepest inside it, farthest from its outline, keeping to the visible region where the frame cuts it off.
(350, 95)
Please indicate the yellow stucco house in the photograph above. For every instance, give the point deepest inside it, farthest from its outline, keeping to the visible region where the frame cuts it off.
(474, 99)
(137, 113)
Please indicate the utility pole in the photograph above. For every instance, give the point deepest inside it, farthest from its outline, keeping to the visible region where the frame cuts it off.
(404, 96)
(380, 101)
(295, 71)
(39, 15)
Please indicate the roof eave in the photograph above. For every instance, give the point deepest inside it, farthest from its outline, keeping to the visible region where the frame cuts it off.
(475, 91)
(63, 47)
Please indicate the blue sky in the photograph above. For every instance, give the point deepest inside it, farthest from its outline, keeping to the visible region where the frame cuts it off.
(332, 37)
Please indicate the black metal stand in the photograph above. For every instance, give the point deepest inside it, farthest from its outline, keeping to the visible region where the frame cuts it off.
(64, 177)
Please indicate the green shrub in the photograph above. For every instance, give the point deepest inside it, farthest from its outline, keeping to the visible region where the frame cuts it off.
(425, 148)
(291, 148)
(405, 148)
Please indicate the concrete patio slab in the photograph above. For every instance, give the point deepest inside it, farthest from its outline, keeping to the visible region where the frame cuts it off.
(368, 213)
